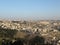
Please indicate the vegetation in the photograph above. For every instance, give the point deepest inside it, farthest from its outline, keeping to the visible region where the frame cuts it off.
(7, 32)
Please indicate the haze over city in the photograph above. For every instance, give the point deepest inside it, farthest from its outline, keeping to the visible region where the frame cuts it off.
(30, 9)
(29, 22)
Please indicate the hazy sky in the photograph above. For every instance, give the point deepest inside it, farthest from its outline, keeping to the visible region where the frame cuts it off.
(30, 9)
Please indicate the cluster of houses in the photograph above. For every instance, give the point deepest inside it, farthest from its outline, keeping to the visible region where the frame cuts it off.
(49, 30)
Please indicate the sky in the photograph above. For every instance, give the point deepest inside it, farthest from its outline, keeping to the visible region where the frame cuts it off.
(30, 9)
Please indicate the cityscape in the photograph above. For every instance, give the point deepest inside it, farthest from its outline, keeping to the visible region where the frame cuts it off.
(29, 22)
(49, 30)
